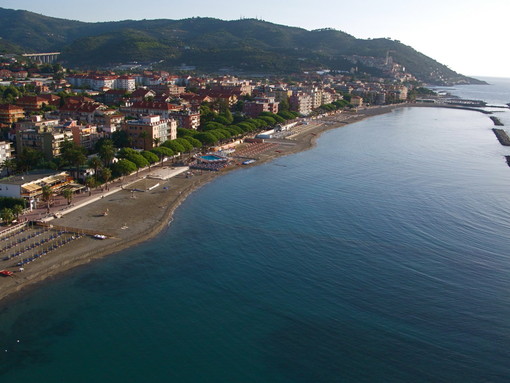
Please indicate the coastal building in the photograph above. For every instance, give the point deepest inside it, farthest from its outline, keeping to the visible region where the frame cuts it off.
(113, 96)
(328, 96)
(143, 108)
(259, 105)
(147, 131)
(316, 95)
(227, 83)
(142, 94)
(126, 83)
(229, 97)
(84, 112)
(109, 121)
(36, 122)
(46, 140)
(97, 81)
(186, 119)
(29, 186)
(6, 151)
(35, 103)
(356, 101)
(301, 102)
(10, 113)
(85, 136)
(168, 89)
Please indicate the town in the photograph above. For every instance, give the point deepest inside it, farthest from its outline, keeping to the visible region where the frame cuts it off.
(66, 132)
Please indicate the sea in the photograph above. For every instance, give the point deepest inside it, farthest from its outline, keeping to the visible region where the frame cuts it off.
(380, 255)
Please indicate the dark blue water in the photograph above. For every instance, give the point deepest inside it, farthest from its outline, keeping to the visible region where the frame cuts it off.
(381, 255)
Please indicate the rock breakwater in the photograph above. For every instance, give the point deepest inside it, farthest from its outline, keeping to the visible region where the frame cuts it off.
(502, 136)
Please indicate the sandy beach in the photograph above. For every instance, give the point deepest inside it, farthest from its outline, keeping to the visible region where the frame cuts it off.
(136, 216)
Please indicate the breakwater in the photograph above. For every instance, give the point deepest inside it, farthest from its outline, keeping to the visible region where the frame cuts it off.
(496, 121)
(502, 136)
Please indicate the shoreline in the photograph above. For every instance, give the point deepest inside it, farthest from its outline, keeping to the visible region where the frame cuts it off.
(135, 218)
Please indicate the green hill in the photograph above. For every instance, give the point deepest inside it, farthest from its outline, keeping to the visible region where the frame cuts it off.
(209, 44)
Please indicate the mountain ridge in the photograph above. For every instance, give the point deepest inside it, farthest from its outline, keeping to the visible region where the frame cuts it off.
(248, 45)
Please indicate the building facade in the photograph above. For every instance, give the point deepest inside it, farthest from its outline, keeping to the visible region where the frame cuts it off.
(145, 132)
(259, 105)
(10, 113)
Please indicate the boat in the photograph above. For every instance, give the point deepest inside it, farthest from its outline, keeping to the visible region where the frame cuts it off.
(6, 273)
(247, 162)
(100, 236)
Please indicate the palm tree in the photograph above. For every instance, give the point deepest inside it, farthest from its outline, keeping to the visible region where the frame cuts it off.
(9, 165)
(143, 135)
(17, 210)
(47, 196)
(95, 163)
(68, 195)
(90, 181)
(7, 215)
(107, 175)
(156, 141)
(106, 153)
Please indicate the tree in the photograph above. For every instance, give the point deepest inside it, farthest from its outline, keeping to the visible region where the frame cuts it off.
(68, 195)
(156, 141)
(184, 143)
(227, 114)
(90, 182)
(183, 132)
(7, 215)
(206, 138)
(212, 125)
(175, 146)
(125, 152)
(138, 160)
(150, 157)
(47, 196)
(162, 152)
(193, 141)
(95, 163)
(234, 130)
(120, 139)
(218, 134)
(9, 165)
(143, 136)
(123, 167)
(269, 120)
(223, 120)
(286, 115)
(28, 159)
(284, 105)
(106, 174)
(206, 113)
(107, 152)
(74, 155)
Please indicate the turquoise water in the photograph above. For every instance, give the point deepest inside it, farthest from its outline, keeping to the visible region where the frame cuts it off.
(381, 255)
(211, 158)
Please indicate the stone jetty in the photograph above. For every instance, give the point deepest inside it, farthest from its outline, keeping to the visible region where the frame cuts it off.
(496, 121)
(502, 136)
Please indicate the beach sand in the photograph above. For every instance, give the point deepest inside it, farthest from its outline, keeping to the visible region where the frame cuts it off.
(134, 217)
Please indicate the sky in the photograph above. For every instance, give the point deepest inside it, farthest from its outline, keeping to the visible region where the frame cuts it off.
(469, 36)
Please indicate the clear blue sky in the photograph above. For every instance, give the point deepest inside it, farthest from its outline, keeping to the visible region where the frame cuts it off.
(470, 36)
